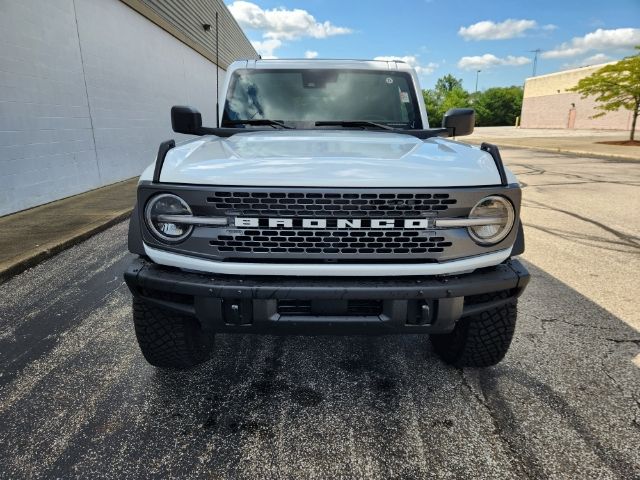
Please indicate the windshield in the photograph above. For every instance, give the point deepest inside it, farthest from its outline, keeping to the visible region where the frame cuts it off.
(304, 96)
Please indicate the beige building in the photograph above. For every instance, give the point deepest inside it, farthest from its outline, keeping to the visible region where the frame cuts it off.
(547, 104)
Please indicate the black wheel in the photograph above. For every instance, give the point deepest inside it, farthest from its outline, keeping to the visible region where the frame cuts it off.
(479, 340)
(169, 340)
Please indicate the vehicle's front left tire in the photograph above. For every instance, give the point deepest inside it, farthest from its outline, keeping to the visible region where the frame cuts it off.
(479, 340)
(170, 340)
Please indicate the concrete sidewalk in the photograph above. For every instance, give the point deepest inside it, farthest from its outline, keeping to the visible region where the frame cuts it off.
(30, 236)
(576, 142)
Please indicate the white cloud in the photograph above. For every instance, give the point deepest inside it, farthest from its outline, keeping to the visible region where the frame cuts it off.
(488, 60)
(266, 47)
(549, 27)
(592, 60)
(413, 62)
(489, 30)
(310, 54)
(618, 38)
(597, 58)
(280, 23)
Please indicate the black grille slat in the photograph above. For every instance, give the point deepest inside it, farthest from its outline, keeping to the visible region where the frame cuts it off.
(353, 308)
(363, 205)
(387, 242)
(364, 307)
(294, 307)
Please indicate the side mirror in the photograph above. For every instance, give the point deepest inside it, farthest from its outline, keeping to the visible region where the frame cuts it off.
(186, 120)
(459, 121)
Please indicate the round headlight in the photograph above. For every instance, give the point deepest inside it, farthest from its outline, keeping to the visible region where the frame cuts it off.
(500, 219)
(167, 204)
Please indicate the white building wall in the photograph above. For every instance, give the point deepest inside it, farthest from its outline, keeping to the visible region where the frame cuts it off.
(85, 92)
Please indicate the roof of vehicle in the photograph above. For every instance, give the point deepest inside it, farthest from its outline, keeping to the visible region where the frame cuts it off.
(321, 63)
(326, 60)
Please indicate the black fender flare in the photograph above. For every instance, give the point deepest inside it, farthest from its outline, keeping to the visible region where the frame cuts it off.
(518, 246)
(134, 242)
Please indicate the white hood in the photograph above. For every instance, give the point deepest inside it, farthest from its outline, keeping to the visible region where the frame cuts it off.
(328, 158)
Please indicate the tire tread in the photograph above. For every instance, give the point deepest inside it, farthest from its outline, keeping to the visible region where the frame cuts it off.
(480, 340)
(169, 340)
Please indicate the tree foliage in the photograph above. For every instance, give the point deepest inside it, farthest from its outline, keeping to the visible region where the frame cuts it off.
(433, 104)
(447, 83)
(455, 98)
(495, 106)
(498, 106)
(448, 93)
(614, 87)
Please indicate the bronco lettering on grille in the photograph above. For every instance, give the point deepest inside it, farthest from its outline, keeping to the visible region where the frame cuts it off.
(330, 223)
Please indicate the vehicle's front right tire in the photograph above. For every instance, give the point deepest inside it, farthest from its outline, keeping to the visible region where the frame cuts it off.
(170, 340)
(479, 340)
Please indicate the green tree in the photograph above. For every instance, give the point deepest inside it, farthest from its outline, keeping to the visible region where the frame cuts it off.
(457, 97)
(433, 104)
(447, 83)
(498, 106)
(495, 106)
(437, 103)
(448, 93)
(615, 86)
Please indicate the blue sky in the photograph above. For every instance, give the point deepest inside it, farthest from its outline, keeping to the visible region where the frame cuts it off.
(447, 36)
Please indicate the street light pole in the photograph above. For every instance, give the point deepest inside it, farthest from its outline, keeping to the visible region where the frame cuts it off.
(477, 74)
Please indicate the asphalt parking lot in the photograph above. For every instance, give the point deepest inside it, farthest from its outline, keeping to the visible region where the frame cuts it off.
(78, 400)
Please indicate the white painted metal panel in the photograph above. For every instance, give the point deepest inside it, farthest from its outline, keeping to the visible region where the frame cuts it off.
(327, 270)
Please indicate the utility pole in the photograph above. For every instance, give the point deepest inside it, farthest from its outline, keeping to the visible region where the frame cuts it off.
(535, 60)
(477, 74)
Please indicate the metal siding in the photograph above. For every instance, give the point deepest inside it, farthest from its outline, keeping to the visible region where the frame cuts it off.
(85, 92)
(184, 20)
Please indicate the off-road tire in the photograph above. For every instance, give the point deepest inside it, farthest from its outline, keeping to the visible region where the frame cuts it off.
(479, 340)
(169, 340)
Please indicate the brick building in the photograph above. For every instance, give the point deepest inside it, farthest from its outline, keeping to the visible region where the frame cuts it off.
(547, 104)
(86, 87)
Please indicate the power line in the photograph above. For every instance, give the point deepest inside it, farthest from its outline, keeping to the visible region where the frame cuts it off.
(535, 60)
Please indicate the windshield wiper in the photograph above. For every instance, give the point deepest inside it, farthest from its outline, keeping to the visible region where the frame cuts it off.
(353, 123)
(257, 121)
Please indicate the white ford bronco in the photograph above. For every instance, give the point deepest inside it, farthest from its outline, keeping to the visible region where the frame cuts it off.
(322, 202)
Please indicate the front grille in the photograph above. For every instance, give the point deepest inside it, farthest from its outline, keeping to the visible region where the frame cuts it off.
(318, 204)
(329, 225)
(331, 242)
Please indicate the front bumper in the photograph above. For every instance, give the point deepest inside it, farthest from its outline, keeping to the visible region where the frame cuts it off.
(325, 305)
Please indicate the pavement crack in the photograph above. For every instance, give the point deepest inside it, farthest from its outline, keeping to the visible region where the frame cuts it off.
(478, 396)
(587, 240)
(567, 322)
(617, 384)
(532, 169)
(627, 239)
(622, 390)
(498, 430)
(635, 341)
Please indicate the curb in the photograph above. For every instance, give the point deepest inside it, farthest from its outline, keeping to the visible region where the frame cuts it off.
(38, 256)
(581, 153)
